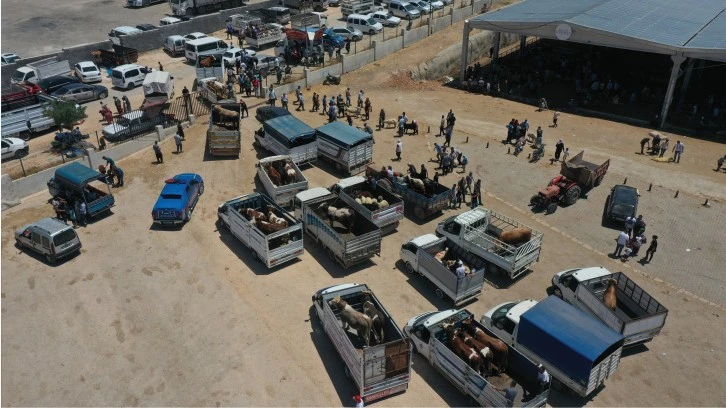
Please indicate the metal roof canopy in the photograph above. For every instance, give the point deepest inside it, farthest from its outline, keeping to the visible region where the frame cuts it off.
(693, 28)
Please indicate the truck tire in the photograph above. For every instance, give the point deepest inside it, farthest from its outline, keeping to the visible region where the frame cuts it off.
(409, 268)
(50, 258)
(571, 195)
(439, 293)
(331, 254)
(25, 135)
(201, 189)
(419, 213)
(557, 292)
(103, 95)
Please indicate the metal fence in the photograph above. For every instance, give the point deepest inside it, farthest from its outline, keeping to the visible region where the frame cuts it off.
(179, 109)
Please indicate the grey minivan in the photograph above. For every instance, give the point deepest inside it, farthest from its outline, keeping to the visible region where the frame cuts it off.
(49, 237)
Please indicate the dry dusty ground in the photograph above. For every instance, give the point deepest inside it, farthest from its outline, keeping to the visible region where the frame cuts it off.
(187, 317)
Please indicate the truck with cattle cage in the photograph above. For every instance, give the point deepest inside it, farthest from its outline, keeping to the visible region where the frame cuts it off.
(437, 259)
(377, 204)
(351, 315)
(343, 233)
(288, 135)
(507, 245)
(281, 178)
(224, 134)
(272, 236)
(349, 149)
(432, 336)
(425, 196)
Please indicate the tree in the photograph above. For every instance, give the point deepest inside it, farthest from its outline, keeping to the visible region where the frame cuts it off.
(65, 114)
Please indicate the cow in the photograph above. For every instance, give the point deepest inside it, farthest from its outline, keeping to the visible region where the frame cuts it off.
(378, 321)
(516, 236)
(268, 227)
(207, 61)
(353, 318)
(225, 113)
(610, 296)
(274, 219)
(441, 256)
(273, 174)
(497, 346)
(344, 216)
(466, 353)
(253, 215)
(290, 173)
(484, 351)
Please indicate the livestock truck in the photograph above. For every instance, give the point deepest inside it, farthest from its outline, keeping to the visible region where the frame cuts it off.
(343, 244)
(267, 34)
(637, 315)
(284, 193)
(22, 118)
(420, 256)
(423, 205)
(224, 135)
(196, 7)
(215, 70)
(578, 350)
(349, 149)
(288, 135)
(478, 231)
(386, 218)
(429, 339)
(272, 249)
(378, 370)
(215, 91)
(304, 21)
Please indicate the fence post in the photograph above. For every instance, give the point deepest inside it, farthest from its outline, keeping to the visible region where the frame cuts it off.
(159, 130)
(22, 167)
(374, 49)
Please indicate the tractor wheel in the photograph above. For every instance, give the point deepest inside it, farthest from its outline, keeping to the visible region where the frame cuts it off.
(551, 208)
(598, 180)
(536, 201)
(571, 195)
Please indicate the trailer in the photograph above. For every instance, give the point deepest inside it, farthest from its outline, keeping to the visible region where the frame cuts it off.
(216, 70)
(478, 231)
(288, 135)
(273, 249)
(266, 34)
(637, 315)
(158, 87)
(196, 7)
(120, 55)
(24, 121)
(345, 246)
(20, 96)
(353, 189)
(379, 370)
(283, 194)
(423, 205)
(429, 340)
(241, 22)
(429, 256)
(224, 135)
(349, 149)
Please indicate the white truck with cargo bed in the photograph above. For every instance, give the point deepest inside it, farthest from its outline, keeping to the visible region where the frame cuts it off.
(352, 189)
(284, 193)
(34, 72)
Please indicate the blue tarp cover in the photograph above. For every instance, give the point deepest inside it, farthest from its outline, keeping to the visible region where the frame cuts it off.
(567, 337)
(76, 174)
(288, 127)
(343, 135)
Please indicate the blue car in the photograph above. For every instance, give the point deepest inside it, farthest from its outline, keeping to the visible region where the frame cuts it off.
(178, 199)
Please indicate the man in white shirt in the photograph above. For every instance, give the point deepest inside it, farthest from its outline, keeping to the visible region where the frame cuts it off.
(629, 224)
(622, 240)
(678, 149)
(460, 270)
(399, 150)
(543, 379)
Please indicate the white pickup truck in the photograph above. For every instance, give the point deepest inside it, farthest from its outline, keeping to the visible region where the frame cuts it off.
(285, 193)
(637, 316)
(387, 218)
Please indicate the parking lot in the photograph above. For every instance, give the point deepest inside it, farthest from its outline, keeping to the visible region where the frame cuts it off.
(187, 317)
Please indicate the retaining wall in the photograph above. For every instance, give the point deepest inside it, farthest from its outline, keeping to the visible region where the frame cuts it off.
(413, 36)
(351, 62)
(385, 48)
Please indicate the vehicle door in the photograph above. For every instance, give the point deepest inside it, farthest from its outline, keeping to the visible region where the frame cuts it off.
(194, 191)
(6, 150)
(132, 76)
(420, 336)
(570, 284)
(26, 238)
(36, 244)
(83, 94)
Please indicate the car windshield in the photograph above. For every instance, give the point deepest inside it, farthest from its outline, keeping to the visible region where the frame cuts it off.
(371, 21)
(502, 311)
(623, 196)
(171, 196)
(64, 237)
(17, 75)
(89, 69)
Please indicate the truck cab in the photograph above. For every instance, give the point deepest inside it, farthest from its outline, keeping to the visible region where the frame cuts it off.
(566, 282)
(418, 329)
(409, 251)
(503, 318)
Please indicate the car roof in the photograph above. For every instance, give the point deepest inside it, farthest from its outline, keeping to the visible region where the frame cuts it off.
(126, 67)
(358, 16)
(71, 86)
(424, 239)
(51, 225)
(86, 64)
(591, 273)
(14, 140)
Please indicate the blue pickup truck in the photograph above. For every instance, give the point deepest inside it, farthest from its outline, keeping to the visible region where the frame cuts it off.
(76, 182)
(178, 199)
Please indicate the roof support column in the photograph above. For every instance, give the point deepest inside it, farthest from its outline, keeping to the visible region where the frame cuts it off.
(497, 41)
(464, 52)
(686, 80)
(677, 61)
(522, 44)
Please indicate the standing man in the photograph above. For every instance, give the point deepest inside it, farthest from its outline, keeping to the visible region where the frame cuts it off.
(678, 149)
(119, 107)
(230, 30)
(629, 224)
(381, 119)
(127, 103)
(639, 227)
(185, 94)
(272, 96)
(442, 126)
(368, 108)
(360, 98)
(621, 241)
(566, 154)
(543, 380)
(447, 134)
(161, 67)
(510, 393)
(157, 153)
(325, 104)
(283, 100)
(347, 45)
(301, 101)
(476, 196)
(663, 147)
(83, 214)
(464, 161)
(178, 141)
(559, 147)
(119, 176)
(644, 141)
(555, 116)
(347, 96)
(651, 249)
(399, 150)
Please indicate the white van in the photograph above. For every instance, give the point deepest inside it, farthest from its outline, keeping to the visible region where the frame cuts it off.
(208, 45)
(364, 23)
(175, 44)
(128, 76)
(404, 10)
(118, 32)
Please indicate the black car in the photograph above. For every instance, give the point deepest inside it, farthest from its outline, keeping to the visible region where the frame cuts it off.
(52, 84)
(265, 113)
(622, 203)
(146, 27)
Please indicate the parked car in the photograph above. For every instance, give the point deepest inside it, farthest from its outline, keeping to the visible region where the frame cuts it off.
(87, 72)
(270, 112)
(434, 4)
(50, 237)
(80, 93)
(132, 124)
(347, 33)
(404, 10)
(423, 7)
(146, 27)
(52, 84)
(194, 36)
(386, 18)
(12, 147)
(622, 203)
(169, 20)
(178, 199)
(9, 58)
(234, 54)
(268, 62)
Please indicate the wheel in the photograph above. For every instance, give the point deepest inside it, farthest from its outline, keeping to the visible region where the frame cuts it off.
(356, 38)
(598, 180)
(145, 3)
(50, 258)
(103, 95)
(25, 135)
(571, 195)
(188, 216)
(201, 189)
(439, 293)
(494, 270)
(21, 153)
(130, 86)
(409, 268)
(557, 292)
(419, 213)
(372, 32)
(331, 254)
(551, 208)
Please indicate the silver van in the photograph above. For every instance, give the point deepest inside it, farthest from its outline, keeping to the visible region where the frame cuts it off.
(404, 10)
(175, 44)
(49, 237)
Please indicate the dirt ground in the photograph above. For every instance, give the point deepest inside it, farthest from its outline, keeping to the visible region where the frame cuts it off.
(187, 317)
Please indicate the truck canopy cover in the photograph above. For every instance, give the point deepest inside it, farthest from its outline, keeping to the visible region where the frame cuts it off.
(343, 135)
(290, 128)
(76, 174)
(552, 325)
(156, 82)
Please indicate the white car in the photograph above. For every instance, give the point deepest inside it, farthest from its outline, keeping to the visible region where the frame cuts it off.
(12, 147)
(194, 36)
(347, 33)
(87, 72)
(234, 54)
(169, 21)
(421, 6)
(9, 58)
(386, 18)
(434, 4)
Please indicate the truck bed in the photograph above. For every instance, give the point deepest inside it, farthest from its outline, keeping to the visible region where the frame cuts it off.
(459, 290)
(361, 226)
(382, 217)
(284, 194)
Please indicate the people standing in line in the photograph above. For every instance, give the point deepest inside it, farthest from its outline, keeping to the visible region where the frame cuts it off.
(399, 150)
(157, 153)
(555, 116)
(127, 103)
(663, 147)
(283, 100)
(678, 150)
(178, 141)
(559, 147)
(651, 249)
(622, 240)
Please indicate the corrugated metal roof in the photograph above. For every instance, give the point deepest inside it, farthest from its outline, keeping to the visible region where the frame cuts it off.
(692, 24)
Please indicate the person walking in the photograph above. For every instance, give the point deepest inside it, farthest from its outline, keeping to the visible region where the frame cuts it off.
(381, 119)
(663, 147)
(719, 162)
(678, 150)
(119, 107)
(161, 67)
(325, 104)
(367, 109)
(470, 183)
(244, 112)
(555, 116)
(622, 240)
(399, 150)
(83, 213)
(272, 96)
(283, 100)
(651, 249)
(442, 126)
(178, 141)
(301, 102)
(157, 153)
(559, 147)
(127, 103)
(347, 45)
(347, 96)
(566, 154)
(447, 135)
(230, 30)
(464, 161)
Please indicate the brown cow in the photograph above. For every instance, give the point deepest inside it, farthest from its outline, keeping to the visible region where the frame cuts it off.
(274, 219)
(252, 214)
(351, 317)
(459, 348)
(610, 296)
(273, 174)
(516, 236)
(290, 173)
(497, 346)
(485, 352)
(268, 227)
(344, 216)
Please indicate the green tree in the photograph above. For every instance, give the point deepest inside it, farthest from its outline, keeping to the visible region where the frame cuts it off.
(65, 114)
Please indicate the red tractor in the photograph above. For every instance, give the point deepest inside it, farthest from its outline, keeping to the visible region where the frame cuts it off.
(576, 177)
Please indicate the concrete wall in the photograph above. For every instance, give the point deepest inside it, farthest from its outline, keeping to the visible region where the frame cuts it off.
(415, 35)
(385, 48)
(355, 61)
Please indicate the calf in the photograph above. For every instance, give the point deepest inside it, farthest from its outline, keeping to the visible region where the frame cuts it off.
(497, 346)
(378, 321)
(610, 296)
(466, 353)
(273, 174)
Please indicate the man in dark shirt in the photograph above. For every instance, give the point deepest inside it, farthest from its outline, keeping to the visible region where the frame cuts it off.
(651, 249)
